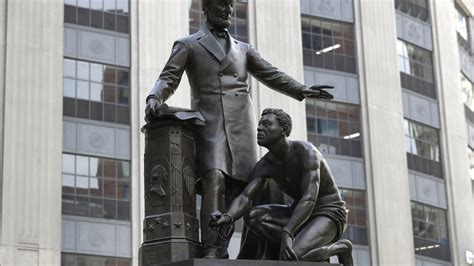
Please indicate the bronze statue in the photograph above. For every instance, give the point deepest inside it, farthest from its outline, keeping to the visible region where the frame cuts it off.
(217, 67)
(310, 228)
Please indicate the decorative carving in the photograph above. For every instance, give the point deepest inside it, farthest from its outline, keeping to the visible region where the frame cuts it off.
(189, 180)
(159, 178)
(158, 186)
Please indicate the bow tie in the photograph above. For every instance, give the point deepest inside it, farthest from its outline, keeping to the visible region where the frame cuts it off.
(221, 34)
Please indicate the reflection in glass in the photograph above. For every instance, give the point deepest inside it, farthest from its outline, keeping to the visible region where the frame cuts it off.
(109, 6)
(96, 4)
(69, 68)
(461, 26)
(69, 88)
(68, 184)
(422, 140)
(122, 6)
(82, 165)
(467, 92)
(83, 3)
(96, 92)
(69, 163)
(82, 70)
(96, 72)
(83, 90)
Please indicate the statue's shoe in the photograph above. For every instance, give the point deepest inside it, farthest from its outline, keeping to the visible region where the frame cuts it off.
(345, 256)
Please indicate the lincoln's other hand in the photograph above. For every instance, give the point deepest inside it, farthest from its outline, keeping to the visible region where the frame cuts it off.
(151, 110)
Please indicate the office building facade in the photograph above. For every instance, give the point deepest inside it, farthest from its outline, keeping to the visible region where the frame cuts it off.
(398, 136)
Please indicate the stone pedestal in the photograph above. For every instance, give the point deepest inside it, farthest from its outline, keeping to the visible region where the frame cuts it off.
(170, 228)
(205, 262)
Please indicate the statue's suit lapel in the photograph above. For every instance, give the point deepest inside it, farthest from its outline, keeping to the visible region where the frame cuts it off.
(231, 55)
(211, 45)
(209, 42)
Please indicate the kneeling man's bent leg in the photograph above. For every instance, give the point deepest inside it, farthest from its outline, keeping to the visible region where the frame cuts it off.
(268, 220)
(314, 242)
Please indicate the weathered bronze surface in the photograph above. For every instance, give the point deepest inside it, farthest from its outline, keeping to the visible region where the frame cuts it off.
(309, 229)
(217, 67)
(170, 227)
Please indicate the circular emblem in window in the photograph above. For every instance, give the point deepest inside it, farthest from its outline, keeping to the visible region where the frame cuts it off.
(96, 46)
(96, 237)
(96, 140)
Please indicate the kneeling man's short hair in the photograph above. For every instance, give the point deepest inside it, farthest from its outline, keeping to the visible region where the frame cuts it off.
(282, 117)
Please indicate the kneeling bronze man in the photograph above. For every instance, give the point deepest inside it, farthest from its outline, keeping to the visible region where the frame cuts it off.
(311, 228)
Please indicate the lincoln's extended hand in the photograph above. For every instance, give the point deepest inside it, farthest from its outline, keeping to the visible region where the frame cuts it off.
(318, 92)
(151, 110)
(286, 248)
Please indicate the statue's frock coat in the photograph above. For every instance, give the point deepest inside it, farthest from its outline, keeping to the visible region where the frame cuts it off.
(221, 93)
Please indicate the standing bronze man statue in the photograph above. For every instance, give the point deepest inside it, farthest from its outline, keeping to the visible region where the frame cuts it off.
(309, 229)
(217, 67)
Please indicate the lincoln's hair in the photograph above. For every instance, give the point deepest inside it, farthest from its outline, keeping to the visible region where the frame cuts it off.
(283, 119)
(206, 3)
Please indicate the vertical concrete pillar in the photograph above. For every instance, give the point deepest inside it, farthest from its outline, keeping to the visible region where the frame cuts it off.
(454, 135)
(155, 25)
(279, 41)
(387, 175)
(31, 48)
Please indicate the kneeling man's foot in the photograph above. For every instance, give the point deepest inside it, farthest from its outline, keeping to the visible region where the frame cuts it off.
(215, 253)
(345, 255)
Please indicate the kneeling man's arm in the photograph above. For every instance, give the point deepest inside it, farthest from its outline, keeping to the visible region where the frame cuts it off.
(242, 204)
(310, 188)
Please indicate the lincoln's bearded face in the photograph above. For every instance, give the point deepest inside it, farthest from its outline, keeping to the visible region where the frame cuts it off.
(218, 12)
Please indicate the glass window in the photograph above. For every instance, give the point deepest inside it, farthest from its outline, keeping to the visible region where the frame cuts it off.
(123, 170)
(70, 2)
(109, 6)
(422, 140)
(416, 69)
(461, 26)
(82, 165)
(69, 68)
(357, 216)
(96, 72)
(415, 8)
(68, 184)
(415, 61)
(98, 83)
(83, 3)
(69, 164)
(340, 122)
(430, 231)
(329, 43)
(122, 6)
(82, 70)
(69, 89)
(96, 5)
(96, 92)
(80, 260)
(467, 92)
(102, 14)
(90, 187)
(83, 90)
